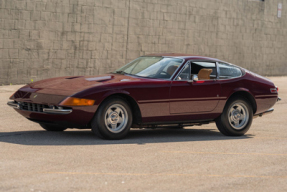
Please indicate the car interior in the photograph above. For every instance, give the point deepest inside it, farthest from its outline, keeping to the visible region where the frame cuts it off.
(198, 71)
(171, 69)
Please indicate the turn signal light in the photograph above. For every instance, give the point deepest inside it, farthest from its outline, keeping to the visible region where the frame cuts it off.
(274, 90)
(72, 101)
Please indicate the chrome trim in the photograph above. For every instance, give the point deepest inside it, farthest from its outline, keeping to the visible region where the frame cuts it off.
(13, 104)
(54, 110)
(264, 96)
(264, 113)
(176, 71)
(174, 78)
(60, 111)
(279, 99)
(218, 70)
(189, 63)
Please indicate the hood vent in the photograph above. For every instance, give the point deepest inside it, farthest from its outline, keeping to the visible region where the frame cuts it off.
(100, 79)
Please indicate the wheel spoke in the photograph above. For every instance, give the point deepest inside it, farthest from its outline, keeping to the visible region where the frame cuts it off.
(240, 109)
(109, 111)
(242, 117)
(232, 109)
(120, 119)
(114, 126)
(236, 123)
(118, 110)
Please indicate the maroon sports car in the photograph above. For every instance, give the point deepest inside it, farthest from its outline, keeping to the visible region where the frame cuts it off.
(151, 91)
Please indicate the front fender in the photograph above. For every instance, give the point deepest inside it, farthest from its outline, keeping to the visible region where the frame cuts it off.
(111, 92)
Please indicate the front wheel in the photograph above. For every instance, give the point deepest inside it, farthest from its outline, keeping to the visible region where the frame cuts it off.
(236, 118)
(113, 119)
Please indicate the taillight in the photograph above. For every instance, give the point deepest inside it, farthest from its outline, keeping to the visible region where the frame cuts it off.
(274, 90)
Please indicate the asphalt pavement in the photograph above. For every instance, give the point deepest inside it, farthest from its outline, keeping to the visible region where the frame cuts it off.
(193, 159)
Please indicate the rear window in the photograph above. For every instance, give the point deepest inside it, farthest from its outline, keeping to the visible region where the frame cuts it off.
(227, 71)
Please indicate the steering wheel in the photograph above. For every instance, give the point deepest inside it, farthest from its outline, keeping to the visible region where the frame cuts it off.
(164, 73)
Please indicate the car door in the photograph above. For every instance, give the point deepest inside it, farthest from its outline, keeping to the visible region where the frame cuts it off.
(199, 95)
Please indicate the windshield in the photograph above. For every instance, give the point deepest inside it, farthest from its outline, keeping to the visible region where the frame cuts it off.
(152, 67)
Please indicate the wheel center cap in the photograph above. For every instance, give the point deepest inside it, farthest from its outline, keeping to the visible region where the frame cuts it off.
(114, 117)
(236, 115)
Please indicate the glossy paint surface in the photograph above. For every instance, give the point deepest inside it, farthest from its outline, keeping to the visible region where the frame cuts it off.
(159, 101)
(186, 97)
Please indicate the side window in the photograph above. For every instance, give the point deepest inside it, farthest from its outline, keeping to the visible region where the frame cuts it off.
(185, 74)
(171, 67)
(203, 70)
(227, 71)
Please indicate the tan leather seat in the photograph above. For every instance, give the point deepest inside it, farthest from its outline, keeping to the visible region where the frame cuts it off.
(171, 69)
(204, 74)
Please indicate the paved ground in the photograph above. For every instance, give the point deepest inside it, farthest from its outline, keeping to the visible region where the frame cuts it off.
(194, 159)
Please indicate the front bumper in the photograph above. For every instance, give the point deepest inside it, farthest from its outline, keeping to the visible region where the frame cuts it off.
(13, 104)
(76, 117)
(47, 110)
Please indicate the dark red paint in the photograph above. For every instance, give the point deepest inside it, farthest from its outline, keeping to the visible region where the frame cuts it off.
(159, 101)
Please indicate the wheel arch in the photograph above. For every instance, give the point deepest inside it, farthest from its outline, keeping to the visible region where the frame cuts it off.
(246, 95)
(137, 118)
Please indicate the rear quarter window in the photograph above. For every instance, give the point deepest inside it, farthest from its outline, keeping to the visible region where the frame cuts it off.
(227, 71)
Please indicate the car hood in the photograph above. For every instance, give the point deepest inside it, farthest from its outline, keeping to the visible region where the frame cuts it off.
(72, 84)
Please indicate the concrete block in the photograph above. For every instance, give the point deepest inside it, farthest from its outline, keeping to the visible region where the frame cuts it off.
(13, 53)
(8, 43)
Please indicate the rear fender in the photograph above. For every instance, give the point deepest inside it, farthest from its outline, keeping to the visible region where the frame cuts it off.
(246, 93)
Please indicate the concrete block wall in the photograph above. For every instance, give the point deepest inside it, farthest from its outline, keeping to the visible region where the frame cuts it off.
(47, 38)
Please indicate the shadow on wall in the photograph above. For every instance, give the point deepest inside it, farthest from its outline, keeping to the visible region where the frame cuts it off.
(140, 137)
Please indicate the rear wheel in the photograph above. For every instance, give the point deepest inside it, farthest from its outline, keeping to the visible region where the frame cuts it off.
(50, 127)
(113, 119)
(236, 118)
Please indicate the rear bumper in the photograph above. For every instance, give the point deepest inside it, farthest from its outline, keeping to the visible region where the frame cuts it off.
(269, 111)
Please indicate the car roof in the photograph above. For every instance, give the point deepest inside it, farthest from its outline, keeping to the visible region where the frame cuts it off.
(183, 56)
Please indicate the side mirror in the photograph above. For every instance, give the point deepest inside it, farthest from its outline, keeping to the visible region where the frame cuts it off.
(194, 77)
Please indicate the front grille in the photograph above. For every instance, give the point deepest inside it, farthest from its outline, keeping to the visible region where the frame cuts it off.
(33, 107)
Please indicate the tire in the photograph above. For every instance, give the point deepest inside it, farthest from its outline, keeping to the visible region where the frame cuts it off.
(236, 118)
(113, 119)
(50, 127)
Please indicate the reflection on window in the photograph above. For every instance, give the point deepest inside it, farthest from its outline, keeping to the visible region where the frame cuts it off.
(152, 67)
(227, 71)
(185, 74)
